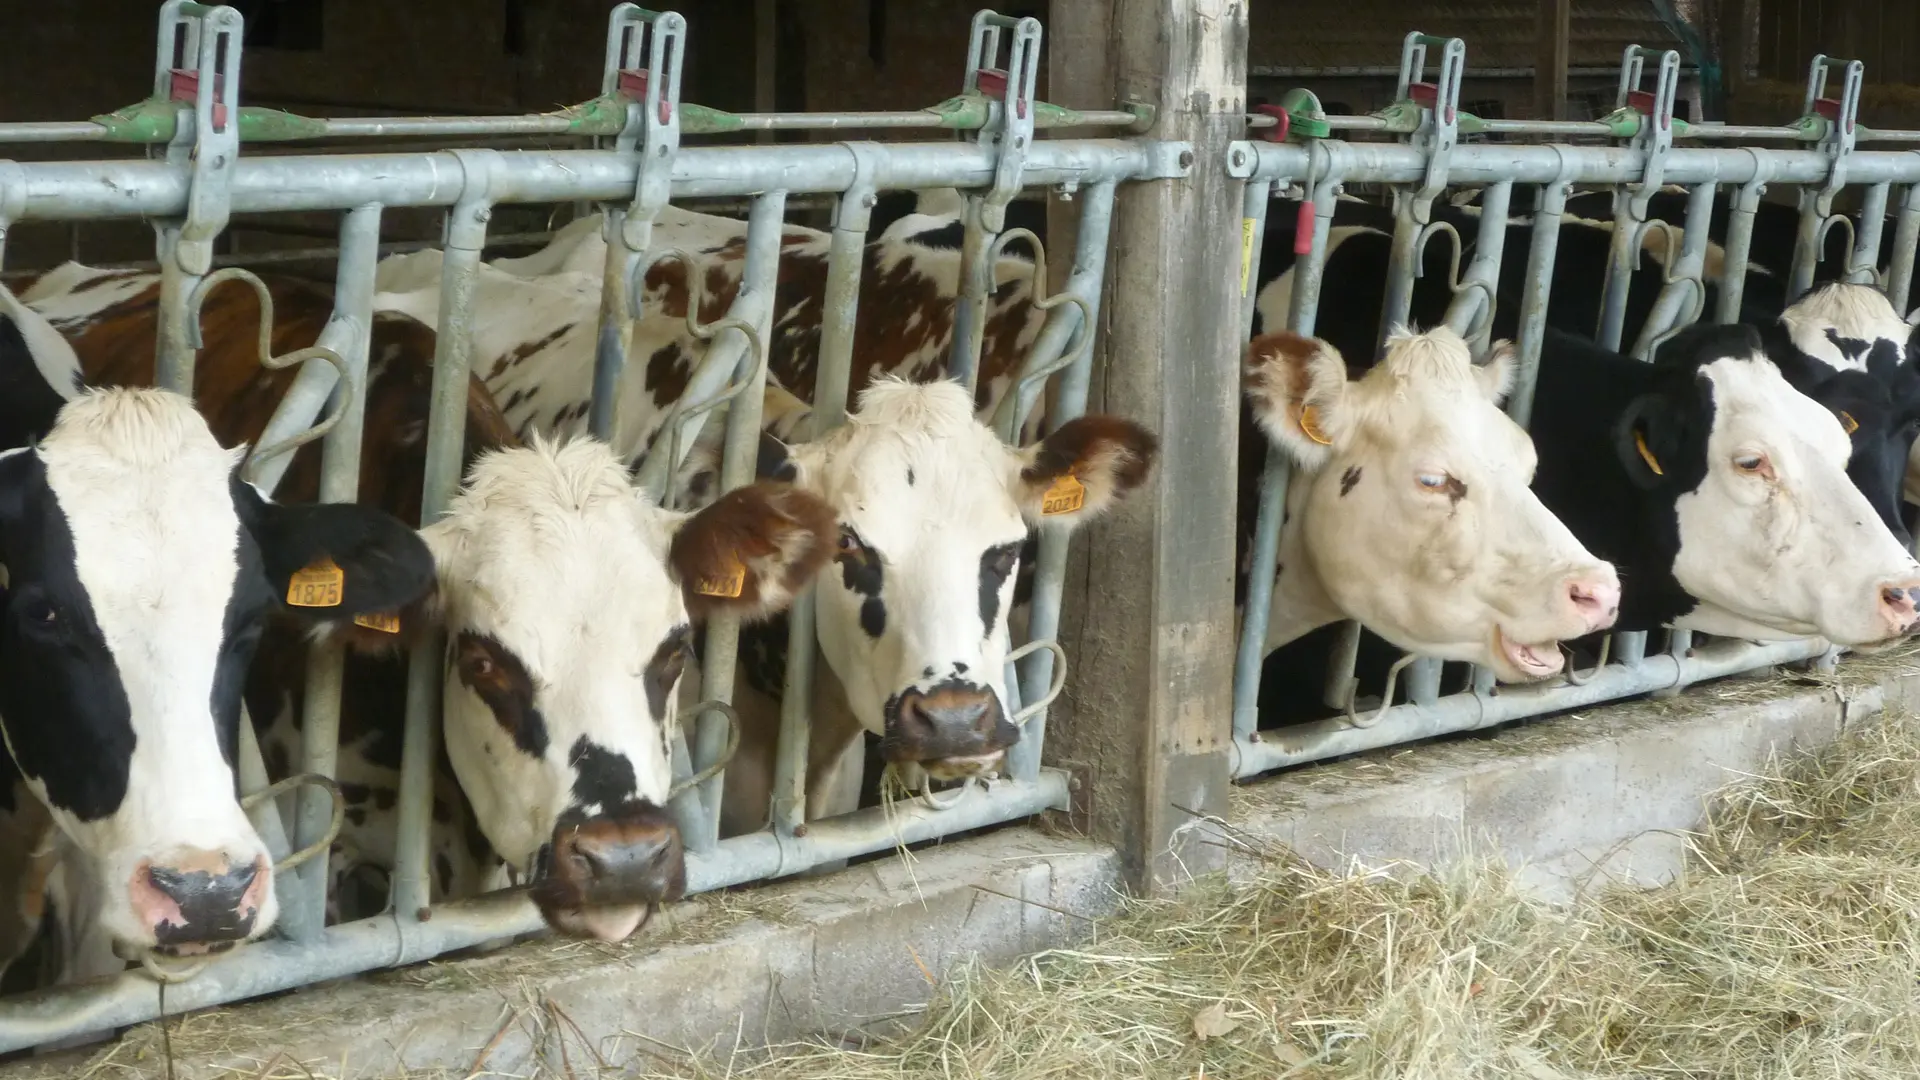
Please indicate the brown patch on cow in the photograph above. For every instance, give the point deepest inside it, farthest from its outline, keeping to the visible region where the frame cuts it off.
(519, 353)
(769, 539)
(1455, 490)
(1277, 369)
(1348, 479)
(1121, 449)
(667, 374)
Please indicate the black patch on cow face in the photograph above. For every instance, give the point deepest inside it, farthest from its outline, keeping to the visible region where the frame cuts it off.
(1455, 489)
(490, 670)
(601, 777)
(1851, 348)
(62, 702)
(996, 563)
(773, 462)
(1348, 479)
(663, 671)
(861, 572)
(28, 405)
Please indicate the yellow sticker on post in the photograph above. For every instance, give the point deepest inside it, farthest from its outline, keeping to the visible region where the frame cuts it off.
(1246, 253)
(319, 584)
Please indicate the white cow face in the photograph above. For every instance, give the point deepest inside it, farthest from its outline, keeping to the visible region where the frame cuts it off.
(933, 510)
(569, 601)
(1410, 510)
(139, 572)
(1774, 540)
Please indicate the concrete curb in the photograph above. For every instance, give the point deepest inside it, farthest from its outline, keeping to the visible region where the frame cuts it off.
(1575, 800)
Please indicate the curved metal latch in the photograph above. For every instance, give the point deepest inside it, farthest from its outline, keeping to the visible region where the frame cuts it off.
(1009, 127)
(1440, 105)
(1057, 684)
(1656, 107)
(668, 435)
(1673, 273)
(1842, 117)
(343, 395)
(1010, 413)
(209, 37)
(719, 764)
(1454, 281)
(1386, 696)
(1575, 678)
(300, 780)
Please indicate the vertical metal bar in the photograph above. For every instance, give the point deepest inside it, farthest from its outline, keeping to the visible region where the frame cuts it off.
(1739, 247)
(304, 917)
(446, 433)
(1806, 245)
(1400, 267)
(839, 317)
(737, 464)
(1541, 255)
(173, 353)
(1906, 244)
(1621, 257)
(1257, 613)
(1866, 240)
(1686, 272)
(1086, 280)
(610, 354)
(976, 291)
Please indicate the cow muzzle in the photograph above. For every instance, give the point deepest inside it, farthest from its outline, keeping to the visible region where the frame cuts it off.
(1897, 606)
(952, 731)
(195, 902)
(604, 876)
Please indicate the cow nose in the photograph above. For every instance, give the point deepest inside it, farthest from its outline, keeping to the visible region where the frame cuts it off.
(632, 857)
(1897, 605)
(1596, 598)
(194, 900)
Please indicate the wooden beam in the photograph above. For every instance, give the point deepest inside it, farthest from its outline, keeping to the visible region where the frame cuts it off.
(1152, 648)
(1552, 33)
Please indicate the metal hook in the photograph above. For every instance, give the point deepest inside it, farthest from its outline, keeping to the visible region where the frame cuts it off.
(1826, 226)
(726, 753)
(1420, 250)
(1574, 678)
(343, 396)
(1386, 697)
(1674, 237)
(1053, 689)
(150, 961)
(682, 411)
(1076, 346)
(300, 780)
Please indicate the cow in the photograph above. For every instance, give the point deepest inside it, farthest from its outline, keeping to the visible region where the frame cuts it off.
(1472, 566)
(140, 573)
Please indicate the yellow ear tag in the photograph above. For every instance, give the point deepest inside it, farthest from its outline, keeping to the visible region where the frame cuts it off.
(1064, 496)
(1310, 425)
(1646, 455)
(384, 621)
(727, 585)
(317, 585)
(1848, 422)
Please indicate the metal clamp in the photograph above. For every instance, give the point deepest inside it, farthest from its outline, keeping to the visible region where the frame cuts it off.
(1009, 128)
(1655, 136)
(652, 94)
(300, 780)
(209, 146)
(720, 763)
(682, 411)
(1440, 106)
(342, 398)
(1842, 120)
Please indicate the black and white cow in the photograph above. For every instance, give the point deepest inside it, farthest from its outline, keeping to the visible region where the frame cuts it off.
(139, 572)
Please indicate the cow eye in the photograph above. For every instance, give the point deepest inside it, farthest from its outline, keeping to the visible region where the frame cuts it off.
(850, 543)
(40, 613)
(479, 665)
(1432, 481)
(1750, 463)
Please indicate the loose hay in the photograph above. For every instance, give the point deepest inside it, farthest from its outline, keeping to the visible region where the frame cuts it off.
(1788, 949)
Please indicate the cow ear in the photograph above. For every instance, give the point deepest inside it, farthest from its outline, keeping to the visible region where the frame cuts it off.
(1647, 440)
(1297, 386)
(329, 563)
(752, 551)
(1496, 373)
(1086, 465)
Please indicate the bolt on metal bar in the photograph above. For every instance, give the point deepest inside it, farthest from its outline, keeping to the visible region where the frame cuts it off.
(740, 454)
(304, 917)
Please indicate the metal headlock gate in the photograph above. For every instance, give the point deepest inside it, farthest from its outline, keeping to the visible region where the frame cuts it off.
(195, 177)
(1430, 157)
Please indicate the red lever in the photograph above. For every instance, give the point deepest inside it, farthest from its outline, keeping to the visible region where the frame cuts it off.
(184, 85)
(1641, 101)
(991, 81)
(633, 83)
(1827, 107)
(1423, 94)
(1303, 226)
(1283, 123)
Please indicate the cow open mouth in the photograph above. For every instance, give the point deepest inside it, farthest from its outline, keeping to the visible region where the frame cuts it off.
(603, 922)
(1531, 661)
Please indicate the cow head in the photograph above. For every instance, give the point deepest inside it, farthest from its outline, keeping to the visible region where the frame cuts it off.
(139, 571)
(1410, 509)
(569, 600)
(1750, 487)
(1843, 328)
(933, 511)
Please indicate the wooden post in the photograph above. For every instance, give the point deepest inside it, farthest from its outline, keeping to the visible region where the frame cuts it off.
(1552, 34)
(1152, 650)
